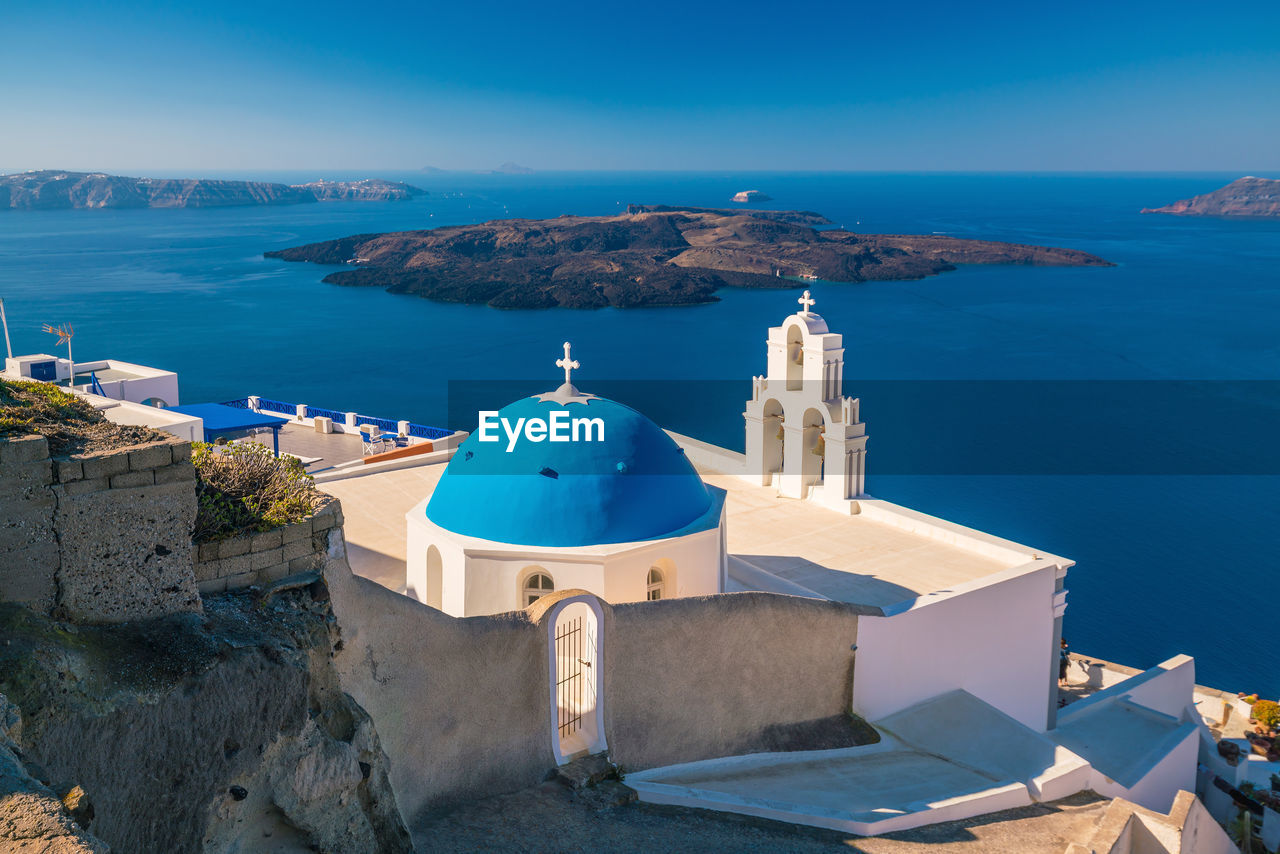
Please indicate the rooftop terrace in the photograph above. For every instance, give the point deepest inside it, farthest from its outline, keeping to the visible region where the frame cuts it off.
(876, 559)
(848, 558)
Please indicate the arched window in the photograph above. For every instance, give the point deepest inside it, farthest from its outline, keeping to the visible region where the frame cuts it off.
(536, 586)
(655, 585)
(435, 578)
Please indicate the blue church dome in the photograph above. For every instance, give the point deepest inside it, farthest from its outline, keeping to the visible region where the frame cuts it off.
(631, 483)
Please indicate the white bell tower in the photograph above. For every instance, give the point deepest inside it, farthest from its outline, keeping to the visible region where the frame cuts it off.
(803, 435)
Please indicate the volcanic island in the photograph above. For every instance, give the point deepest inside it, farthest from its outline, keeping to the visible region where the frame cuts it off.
(652, 255)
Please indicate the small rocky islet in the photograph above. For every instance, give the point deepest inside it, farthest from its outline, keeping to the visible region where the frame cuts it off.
(652, 255)
(1247, 196)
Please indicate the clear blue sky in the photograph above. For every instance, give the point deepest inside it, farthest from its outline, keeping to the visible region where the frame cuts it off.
(138, 86)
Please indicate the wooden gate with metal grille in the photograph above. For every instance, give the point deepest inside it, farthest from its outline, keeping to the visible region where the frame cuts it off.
(575, 686)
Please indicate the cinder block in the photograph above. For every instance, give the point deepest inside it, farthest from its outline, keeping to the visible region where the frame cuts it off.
(83, 487)
(33, 473)
(244, 579)
(181, 452)
(104, 464)
(267, 540)
(176, 473)
(233, 546)
(150, 457)
(295, 532)
(132, 479)
(326, 514)
(298, 549)
(212, 587)
(207, 552)
(207, 570)
(19, 497)
(17, 450)
(236, 565)
(275, 573)
(302, 564)
(68, 470)
(262, 560)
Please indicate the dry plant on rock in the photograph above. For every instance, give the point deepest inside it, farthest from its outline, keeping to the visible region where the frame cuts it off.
(243, 489)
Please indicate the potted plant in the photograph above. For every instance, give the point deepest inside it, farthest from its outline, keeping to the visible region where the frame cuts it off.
(1266, 716)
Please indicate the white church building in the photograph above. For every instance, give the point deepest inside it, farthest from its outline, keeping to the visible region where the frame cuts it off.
(638, 513)
(958, 631)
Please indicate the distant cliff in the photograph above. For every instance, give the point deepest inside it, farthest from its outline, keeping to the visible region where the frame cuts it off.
(53, 190)
(1247, 196)
(751, 196)
(651, 255)
(368, 190)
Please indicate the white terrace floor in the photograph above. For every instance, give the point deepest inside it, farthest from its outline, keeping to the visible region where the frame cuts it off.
(842, 557)
(318, 450)
(373, 507)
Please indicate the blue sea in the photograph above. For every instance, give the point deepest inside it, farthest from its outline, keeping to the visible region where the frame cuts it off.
(1175, 554)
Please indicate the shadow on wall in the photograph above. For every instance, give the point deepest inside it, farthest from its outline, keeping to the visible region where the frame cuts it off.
(854, 586)
(463, 706)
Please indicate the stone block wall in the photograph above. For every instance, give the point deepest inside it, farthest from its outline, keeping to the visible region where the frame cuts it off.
(259, 559)
(463, 705)
(100, 537)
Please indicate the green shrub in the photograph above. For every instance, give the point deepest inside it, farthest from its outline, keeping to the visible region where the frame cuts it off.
(1267, 713)
(244, 489)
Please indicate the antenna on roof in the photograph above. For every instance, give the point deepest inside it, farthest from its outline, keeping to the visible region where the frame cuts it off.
(7, 346)
(64, 333)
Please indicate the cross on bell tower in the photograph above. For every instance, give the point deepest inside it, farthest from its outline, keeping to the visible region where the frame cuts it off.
(807, 302)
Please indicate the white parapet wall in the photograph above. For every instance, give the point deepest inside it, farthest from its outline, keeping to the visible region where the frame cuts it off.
(704, 455)
(186, 427)
(989, 638)
(345, 422)
(1141, 735)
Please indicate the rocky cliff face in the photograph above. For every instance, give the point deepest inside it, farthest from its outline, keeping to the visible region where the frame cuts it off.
(1248, 196)
(368, 190)
(220, 732)
(51, 189)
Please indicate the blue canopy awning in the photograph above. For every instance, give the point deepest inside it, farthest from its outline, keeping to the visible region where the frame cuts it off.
(220, 419)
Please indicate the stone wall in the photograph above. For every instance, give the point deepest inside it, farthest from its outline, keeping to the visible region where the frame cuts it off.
(708, 676)
(463, 705)
(460, 704)
(259, 559)
(101, 536)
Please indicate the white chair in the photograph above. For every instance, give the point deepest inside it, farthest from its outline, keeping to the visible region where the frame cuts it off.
(372, 439)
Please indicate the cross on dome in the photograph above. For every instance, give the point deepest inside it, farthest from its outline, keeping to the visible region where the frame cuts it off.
(807, 301)
(572, 364)
(567, 393)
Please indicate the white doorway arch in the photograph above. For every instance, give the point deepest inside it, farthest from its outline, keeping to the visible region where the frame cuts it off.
(576, 689)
